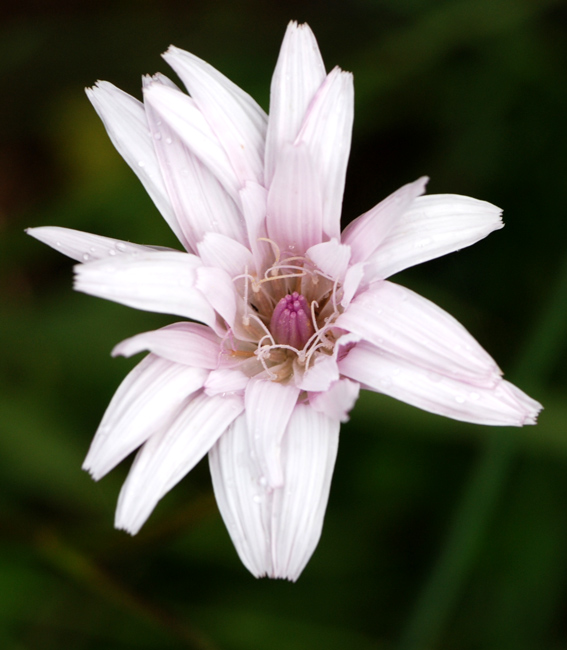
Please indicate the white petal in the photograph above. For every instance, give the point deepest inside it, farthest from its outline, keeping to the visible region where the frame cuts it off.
(180, 113)
(254, 199)
(298, 74)
(237, 120)
(338, 401)
(294, 213)
(502, 405)
(145, 403)
(327, 131)
(367, 232)
(226, 380)
(242, 498)
(402, 322)
(190, 344)
(171, 454)
(269, 405)
(82, 246)
(125, 121)
(320, 375)
(160, 282)
(199, 201)
(309, 450)
(331, 258)
(224, 253)
(219, 289)
(434, 226)
(351, 285)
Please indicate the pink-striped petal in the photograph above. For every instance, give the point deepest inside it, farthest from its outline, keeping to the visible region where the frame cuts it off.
(435, 225)
(298, 74)
(124, 119)
(180, 113)
(367, 232)
(269, 406)
(219, 289)
(225, 381)
(189, 344)
(309, 450)
(378, 370)
(145, 403)
(327, 131)
(294, 212)
(331, 258)
(82, 246)
(163, 282)
(236, 119)
(199, 201)
(336, 402)
(319, 376)
(225, 253)
(400, 321)
(170, 454)
(254, 200)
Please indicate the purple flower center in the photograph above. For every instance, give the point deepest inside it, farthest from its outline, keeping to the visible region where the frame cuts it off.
(291, 321)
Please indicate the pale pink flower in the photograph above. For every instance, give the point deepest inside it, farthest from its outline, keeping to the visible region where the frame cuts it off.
(293, 316)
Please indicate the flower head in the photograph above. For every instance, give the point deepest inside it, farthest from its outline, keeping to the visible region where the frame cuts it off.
(284, 318)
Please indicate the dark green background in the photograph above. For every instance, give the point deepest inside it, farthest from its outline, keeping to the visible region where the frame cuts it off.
(439, 535)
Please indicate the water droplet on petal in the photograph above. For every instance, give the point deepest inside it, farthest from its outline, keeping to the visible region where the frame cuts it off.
(157, 135)
(263, 481)
(86, 257)
(257, 498)
(120, 246)
(474, 396)
(168, 140)
(112, 251)
(459, 399)
(58, 243)
(140, 163)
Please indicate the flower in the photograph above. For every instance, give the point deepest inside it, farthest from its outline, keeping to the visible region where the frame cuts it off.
(292, 318)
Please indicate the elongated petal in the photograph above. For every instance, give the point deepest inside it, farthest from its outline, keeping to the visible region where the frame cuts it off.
(226, 380)
(367, 232)
(319, 376)
(309, 450)
(336, 402)
(199, 201)
(502, 405)
(254, 200)
(269, 406)
(402, 322)
(189, 344)
(242, 498)
(124, 118)
(327, 131)
(434, 226)
(294, 213)
(160, 282)
(218, 286)
(169, 455)
(145, 403)
(180, 113)
(236, 119)
(331, 258)
(225, 253)
(82, 246)
(299, 73)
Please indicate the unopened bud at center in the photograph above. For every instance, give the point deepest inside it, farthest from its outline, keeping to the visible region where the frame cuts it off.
(291, 321)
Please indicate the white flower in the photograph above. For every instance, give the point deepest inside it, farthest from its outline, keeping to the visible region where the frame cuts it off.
(295, 317)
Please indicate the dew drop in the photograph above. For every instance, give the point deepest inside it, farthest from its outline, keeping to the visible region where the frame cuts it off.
(459, 399)
(474, 396)
(257, 498)
(86, 257)
(58, 243)
(120, 246)
(168, 140)
(140, 163)
(157, 135)
(93, 249)
(386, 381)
(112, 251)
(263, 481)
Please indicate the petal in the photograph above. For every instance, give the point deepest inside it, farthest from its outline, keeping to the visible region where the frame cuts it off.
(82, 246)
(299, 73)
(145, 403)
(269, 406)
(218, 286)
(378, 370)
(400, 321)
(327, 131)
(294, 211)
(353, 278)
(331, 258)
(319, 376)
(171, 454)
(226, 380)
(243, 502)
(124, 119)
(163, 282)
(180, 113)
(236, 119)
(224, 253)
(309, 450)
(189, 344)
(199, 201)
(434, 226)
(254, 199)
(367, 232)
(338, 401)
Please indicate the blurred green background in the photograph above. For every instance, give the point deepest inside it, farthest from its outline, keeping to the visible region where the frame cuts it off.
(439, 535)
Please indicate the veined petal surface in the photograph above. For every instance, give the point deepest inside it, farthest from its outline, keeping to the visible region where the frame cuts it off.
(381, 371)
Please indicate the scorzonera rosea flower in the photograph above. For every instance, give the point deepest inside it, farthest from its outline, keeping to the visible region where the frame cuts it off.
(284, 318)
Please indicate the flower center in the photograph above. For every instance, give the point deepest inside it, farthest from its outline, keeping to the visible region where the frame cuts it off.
(291, 321)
